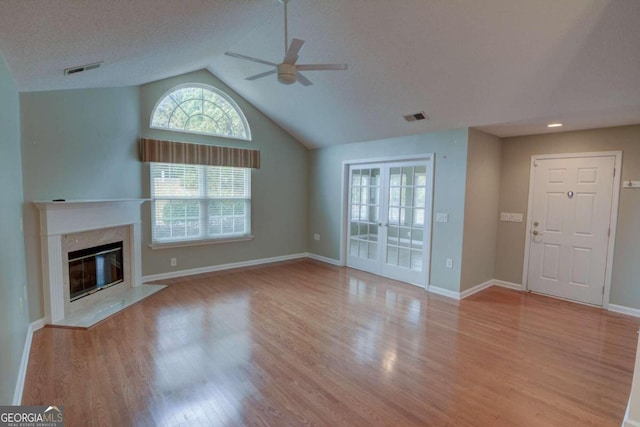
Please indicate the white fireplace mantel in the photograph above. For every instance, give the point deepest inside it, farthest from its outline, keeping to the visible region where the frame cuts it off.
(75, 216)
(81, 215)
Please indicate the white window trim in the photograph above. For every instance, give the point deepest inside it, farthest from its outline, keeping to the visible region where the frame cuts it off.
(183, 243)
(213, 89)
(224, 238)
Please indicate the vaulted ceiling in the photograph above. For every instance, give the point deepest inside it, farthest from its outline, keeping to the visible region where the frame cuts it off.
(505, 66)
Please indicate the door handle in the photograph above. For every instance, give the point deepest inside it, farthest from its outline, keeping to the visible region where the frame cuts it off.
(536, 233)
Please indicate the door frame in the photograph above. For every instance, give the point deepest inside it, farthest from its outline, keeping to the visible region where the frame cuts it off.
(613, 222)
(344, 197)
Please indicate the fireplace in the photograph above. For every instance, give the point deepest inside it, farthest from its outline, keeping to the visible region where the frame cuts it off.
(91, 259)
(94, 269)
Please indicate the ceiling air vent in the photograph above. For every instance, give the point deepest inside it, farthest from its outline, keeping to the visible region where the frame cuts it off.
(81, 68)
(416, 116)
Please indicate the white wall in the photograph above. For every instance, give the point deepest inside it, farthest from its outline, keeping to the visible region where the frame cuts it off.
(279, 199)
(13, 300)
(633, 415)
(481, 209)
(514, 193)
(325, 192)
(76, 144)
(84, 144)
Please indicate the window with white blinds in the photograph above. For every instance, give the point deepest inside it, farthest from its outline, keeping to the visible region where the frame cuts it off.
(196, 202)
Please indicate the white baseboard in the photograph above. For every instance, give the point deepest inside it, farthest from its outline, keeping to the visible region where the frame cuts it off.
(611, 307)
(444, 292)
(24, 362)
(508, 285)
(624, 310)
(38, 324)
(325, 259)
(476, 289)
(628, 422)
(250, 263)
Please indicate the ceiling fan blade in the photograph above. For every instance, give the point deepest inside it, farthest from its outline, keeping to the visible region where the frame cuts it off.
(249, 58)
(303, 80)
(292, 53)
(261, 75)
(313, 67)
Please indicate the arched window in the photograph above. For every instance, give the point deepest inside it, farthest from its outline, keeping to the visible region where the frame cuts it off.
(199, 108)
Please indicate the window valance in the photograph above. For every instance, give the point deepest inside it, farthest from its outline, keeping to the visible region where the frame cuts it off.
(160, 151)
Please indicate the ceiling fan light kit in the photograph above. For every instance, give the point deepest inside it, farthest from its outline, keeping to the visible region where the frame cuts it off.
(288, 72)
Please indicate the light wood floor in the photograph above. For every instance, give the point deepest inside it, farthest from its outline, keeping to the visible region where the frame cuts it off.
(305, 343)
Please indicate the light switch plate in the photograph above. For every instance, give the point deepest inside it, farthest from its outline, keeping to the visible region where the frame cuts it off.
(515, 217)
(504, 216)
(442, 217)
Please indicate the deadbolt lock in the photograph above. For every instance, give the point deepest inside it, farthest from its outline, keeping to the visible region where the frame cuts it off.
(536, 223)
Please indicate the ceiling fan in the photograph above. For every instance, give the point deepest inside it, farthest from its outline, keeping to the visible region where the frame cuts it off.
(288, 71)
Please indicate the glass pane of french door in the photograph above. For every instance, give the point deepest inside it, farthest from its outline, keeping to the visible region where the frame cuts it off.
(364, 213)
(406, 217)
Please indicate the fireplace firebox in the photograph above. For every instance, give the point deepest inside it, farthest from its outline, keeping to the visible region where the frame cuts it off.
(94, 269)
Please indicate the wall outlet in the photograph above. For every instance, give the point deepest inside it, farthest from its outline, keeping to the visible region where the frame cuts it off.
(316, 236)
(442, 217)
(449, 263)
(174, 262)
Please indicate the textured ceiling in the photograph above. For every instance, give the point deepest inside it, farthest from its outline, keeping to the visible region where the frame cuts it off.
(505, 66)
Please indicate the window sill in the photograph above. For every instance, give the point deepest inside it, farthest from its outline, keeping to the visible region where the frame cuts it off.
(184, 243)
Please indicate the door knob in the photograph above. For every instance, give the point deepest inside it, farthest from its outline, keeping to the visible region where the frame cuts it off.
(535, 232)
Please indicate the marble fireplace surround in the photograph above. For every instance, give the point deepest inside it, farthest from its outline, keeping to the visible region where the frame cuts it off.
(67, 226)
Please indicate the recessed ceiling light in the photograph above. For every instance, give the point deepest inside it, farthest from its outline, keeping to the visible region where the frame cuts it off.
(554, 125)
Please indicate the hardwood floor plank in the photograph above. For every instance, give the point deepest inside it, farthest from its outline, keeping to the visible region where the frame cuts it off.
(306, 343)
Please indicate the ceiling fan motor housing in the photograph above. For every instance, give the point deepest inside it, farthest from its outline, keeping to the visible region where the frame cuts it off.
(286, 73)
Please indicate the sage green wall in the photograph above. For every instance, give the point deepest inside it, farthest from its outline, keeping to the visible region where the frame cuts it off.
(484, 158)
(325, 189)
(516, 159)
(13, 303)
(279, 188)
(76, 144)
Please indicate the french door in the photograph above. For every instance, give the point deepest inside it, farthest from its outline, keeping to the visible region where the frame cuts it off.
(390, 219)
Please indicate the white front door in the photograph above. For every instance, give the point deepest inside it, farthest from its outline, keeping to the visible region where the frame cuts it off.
(390, 219)
(569, 222)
